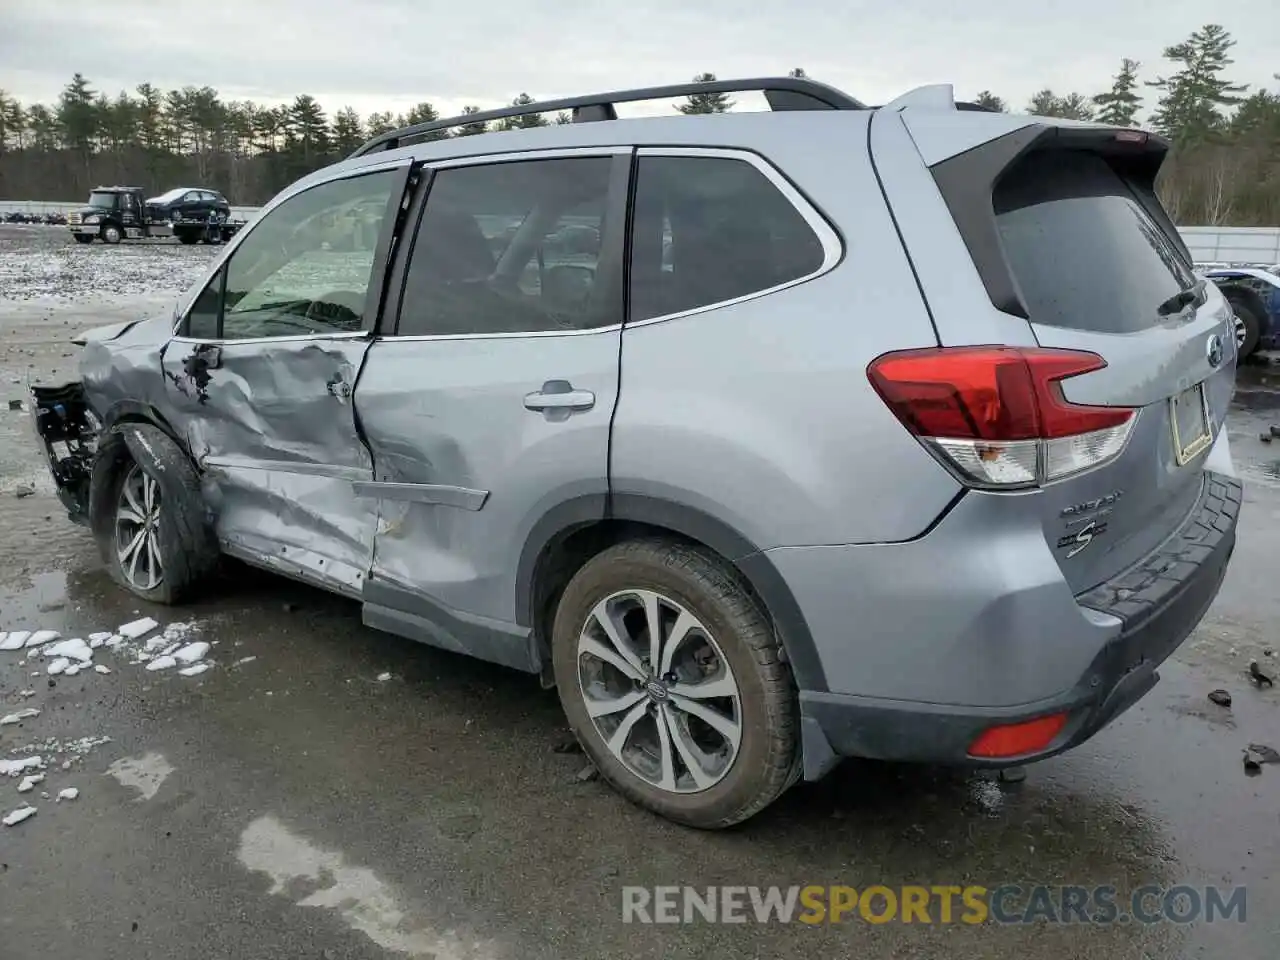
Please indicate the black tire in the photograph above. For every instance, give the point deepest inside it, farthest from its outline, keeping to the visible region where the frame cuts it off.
(83, 237)
(188, 550)
(768, 758)
(111, 234)
(1247, 315)
(187, 237)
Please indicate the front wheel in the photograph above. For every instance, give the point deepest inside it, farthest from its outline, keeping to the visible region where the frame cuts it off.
(673, 681)
(148, 515)
(111, 234)
(1247, 325)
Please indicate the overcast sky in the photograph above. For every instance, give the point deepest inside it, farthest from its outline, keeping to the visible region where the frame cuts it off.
(389, 54)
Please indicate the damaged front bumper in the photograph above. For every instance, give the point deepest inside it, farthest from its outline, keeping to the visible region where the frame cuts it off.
(68, 431)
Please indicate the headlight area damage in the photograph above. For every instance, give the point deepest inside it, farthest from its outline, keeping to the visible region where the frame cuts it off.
(69, 431)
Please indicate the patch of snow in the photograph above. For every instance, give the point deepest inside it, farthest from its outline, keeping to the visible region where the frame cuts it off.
(42, 636)
(13, 641)
(384, 677)
(145, 774)
(11, 718)
(195, 671)
(114, 641)
(180, 630)
(58, 666)
(68, 793)
(101, 668)
(162, 663)
(72, 670)
(137, 628)
(15, 818)
(29, 783)
(102, 637)
(75, 649)
(168, 651)
(987, 794)
(156, 642)
(11, 768)
(192, 652)
(26, 694)
(95, 644)
(244, 660)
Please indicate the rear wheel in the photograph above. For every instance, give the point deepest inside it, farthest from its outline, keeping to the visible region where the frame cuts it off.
(672, 680)
(187, 236)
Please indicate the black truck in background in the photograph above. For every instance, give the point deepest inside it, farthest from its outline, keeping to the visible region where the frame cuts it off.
(190, 214)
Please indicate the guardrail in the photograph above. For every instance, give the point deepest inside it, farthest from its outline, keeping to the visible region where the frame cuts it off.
(1207, 244)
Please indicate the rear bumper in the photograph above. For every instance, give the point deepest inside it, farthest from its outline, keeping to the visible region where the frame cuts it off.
(1156, 603)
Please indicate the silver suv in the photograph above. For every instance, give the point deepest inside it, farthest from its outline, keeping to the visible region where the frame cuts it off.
(767, 439)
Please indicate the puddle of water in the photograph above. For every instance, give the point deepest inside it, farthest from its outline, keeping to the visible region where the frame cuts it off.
(145, 774)
(364, 902)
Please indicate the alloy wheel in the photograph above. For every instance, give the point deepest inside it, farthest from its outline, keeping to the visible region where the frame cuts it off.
(1241, 331)
(138, 529)
(660, 691)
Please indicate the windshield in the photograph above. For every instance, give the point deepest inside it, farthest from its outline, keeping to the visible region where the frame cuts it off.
(103, 201)
(169, 197)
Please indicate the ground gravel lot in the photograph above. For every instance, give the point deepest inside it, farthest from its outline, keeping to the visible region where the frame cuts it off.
(323, 790)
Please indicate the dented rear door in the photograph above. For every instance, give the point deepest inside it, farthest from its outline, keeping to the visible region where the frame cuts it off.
(260, 377)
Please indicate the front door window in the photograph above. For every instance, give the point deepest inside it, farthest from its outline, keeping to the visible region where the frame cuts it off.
(305, 268)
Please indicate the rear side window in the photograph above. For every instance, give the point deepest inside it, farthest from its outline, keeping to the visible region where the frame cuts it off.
(707, 230)
(1084, 251)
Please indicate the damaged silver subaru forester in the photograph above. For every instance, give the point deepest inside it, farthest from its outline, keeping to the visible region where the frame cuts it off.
(766, 439)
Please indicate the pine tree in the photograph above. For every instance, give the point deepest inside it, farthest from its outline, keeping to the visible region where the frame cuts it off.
(798, 73)
(1073, 106)
(705, 102)
(1191, 107)
(1119, 105)
(470, 129)
(348, 131)
(986, 98)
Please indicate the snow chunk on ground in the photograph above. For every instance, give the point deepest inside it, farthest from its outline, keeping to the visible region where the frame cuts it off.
(99, 637)
(162, 663)
(195, 671)
(58, 666)
(137, 628)
(13, 641)
(244, 660)
(192, 652)
(42, 636)
(18, 717)
(95, 644)
(180, 630)
(15, 818)
(75, 649)
(383, 677)
(26, 694)
(70, 793)
(72, 670)
(29, 783)
(101, 668)
(11, 768)
(114, 641)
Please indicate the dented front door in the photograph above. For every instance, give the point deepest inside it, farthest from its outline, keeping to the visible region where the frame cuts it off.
(261, 375)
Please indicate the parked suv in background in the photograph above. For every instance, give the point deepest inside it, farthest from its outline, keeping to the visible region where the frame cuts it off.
(189, 203)
(831, 431)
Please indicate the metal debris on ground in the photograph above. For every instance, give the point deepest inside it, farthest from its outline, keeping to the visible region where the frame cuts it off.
(1264, 753)
(586, 774)
(1251, 766)
(1220, 697)
(1013, 774)
(1258, 677)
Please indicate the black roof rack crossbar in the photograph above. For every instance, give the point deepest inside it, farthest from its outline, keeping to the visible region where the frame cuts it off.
(782, 93)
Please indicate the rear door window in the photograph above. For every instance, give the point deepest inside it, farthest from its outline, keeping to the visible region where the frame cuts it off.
(1084, 251)
(712, 229)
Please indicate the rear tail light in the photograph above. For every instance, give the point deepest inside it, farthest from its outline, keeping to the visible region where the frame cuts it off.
(1018, 739)
(997, 415)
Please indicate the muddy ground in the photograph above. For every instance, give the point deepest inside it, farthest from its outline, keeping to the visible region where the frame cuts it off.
(329, 791)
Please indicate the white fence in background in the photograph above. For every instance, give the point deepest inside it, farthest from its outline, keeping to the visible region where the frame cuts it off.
(1207, 244)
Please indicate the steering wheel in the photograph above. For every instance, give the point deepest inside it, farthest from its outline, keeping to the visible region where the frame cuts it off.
(338, 308)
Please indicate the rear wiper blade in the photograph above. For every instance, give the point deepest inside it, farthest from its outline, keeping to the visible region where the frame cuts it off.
(1192, 296)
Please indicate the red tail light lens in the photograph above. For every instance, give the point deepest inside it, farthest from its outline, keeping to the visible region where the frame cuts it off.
(1018, 739)
(997, 415)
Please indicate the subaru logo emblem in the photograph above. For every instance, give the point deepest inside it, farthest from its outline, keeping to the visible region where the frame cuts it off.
(1214, 350)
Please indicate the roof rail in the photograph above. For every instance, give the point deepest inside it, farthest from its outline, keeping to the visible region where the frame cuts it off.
(782, 93)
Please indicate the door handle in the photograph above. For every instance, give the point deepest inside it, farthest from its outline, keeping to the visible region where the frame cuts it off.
(550, 398)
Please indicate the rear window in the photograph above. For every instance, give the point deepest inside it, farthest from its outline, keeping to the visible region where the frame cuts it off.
(1085, 252)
